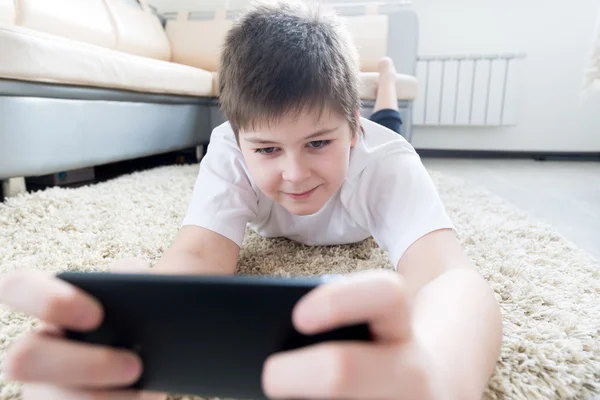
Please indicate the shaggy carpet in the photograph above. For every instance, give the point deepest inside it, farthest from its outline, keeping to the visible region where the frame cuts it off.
(548, 289)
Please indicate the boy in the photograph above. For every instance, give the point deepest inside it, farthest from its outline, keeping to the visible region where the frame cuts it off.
(296, 160)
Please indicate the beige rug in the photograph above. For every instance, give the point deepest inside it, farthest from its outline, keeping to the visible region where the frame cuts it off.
(548, 289)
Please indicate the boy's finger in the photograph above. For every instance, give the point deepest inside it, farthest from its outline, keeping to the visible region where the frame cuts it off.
(47, 329)
(44, 392)
(376, 297)
(43, 359)
(50, 299)
(347, 371)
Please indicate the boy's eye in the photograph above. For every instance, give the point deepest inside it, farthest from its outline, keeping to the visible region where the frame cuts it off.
(265, 150)
(317, 144)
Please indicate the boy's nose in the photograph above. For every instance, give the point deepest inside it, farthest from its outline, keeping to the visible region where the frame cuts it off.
(295, 171)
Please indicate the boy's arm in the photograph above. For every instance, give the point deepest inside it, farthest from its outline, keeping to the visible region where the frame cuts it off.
(455, 314)
(198, 250)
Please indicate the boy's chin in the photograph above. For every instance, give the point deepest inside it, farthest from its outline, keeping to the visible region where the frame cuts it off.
(305, 209)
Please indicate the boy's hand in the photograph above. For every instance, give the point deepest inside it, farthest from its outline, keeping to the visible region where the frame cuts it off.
(52, 367)
(394, 366)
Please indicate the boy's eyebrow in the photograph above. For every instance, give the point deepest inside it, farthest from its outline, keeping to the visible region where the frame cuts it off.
(312, 135)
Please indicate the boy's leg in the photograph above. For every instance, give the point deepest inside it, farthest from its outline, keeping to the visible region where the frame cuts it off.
(385, 111)
(387, 98)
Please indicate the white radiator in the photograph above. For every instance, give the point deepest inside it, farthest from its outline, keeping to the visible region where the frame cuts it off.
(468, 90)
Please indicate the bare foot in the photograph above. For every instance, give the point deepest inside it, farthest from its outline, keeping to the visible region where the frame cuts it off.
(387, 70)
(387, 97)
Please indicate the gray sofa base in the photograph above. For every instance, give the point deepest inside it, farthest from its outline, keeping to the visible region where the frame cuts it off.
(46, 128)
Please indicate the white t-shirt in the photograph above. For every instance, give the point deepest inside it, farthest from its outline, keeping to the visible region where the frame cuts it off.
(387, 194)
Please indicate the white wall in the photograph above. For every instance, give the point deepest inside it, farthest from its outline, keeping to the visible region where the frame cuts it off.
(556, 36)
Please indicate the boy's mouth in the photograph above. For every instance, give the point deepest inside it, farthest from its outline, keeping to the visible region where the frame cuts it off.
(304, 195)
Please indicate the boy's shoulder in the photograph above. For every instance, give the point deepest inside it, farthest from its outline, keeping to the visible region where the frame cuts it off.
(377, 147)
(224, 138)
(377, 136)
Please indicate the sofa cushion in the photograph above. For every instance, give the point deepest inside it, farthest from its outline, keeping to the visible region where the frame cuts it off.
(406, 86)
(7, 12)
(85, 21)
(215, 91)
(198, 42)
(370, 36)
(369, 33)
(35, 56)
(138, 30)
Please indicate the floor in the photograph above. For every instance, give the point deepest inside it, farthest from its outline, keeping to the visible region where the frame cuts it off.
(565, 194)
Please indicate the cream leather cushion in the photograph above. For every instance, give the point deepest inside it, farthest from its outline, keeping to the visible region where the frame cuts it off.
(198, 43)
(215, 91)
(34, 56)
(406, 86)
(85, 21)
(7, 12)
(370, 36)
(138, 31)
(190, 45)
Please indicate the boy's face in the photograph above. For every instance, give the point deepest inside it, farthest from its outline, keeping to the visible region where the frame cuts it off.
(299, 162)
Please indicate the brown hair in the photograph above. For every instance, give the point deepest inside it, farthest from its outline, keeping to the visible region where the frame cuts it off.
(287, 58)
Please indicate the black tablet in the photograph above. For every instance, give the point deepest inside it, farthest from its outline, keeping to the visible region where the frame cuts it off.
(201, 335)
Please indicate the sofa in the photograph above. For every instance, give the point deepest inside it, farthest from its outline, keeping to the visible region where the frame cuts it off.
(89, 82)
